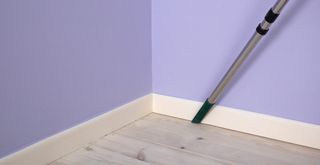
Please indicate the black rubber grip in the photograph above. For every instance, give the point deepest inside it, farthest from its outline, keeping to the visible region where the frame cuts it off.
(271, 16)
(261, 31)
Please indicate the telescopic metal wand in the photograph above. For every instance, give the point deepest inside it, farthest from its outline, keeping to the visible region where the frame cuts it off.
(261, 30)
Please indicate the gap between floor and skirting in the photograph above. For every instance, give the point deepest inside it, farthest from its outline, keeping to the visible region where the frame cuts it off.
(291, 131)
(71, 139)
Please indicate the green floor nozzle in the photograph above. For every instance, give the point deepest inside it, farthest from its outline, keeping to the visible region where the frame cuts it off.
(202, 112)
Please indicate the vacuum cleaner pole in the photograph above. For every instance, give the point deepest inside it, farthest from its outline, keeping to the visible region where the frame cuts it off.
(261, 30)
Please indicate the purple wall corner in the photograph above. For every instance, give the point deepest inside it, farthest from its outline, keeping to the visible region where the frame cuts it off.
(68, 61)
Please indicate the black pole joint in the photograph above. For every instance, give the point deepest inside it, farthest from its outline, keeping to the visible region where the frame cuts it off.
(261, 31)
(271, 16)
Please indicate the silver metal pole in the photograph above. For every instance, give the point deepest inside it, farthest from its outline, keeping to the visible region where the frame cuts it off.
(234, 67)
(244, 53)
(261, 30)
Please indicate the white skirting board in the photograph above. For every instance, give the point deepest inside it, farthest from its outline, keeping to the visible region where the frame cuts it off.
(71, 139)
(243, 121)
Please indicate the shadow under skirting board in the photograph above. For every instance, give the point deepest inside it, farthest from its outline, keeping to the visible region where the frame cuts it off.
(58, 145)
(291, 131)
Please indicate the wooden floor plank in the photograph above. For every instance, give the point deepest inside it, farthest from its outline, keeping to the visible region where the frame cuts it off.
(81, 157)
(151, 153)
(218, 143)
(159, 139)
(61, 162)
(93, 155)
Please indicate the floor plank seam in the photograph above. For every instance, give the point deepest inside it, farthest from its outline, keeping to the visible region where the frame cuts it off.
(61, 157)
(104, 148)
(122, 127)
(179, 149)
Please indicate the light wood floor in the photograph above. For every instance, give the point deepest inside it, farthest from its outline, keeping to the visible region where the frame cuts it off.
(158, 139)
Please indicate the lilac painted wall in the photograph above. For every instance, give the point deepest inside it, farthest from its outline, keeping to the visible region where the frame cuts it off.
(194, 43)
(64, 62)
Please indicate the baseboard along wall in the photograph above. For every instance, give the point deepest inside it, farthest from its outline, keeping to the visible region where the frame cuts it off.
(58, 145)
(71, 139)
(243, 121)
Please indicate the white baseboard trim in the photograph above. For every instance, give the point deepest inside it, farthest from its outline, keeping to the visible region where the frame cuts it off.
(243, 121)
(71, 139)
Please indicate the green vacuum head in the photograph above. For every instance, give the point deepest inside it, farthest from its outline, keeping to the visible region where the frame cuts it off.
(202, 112)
